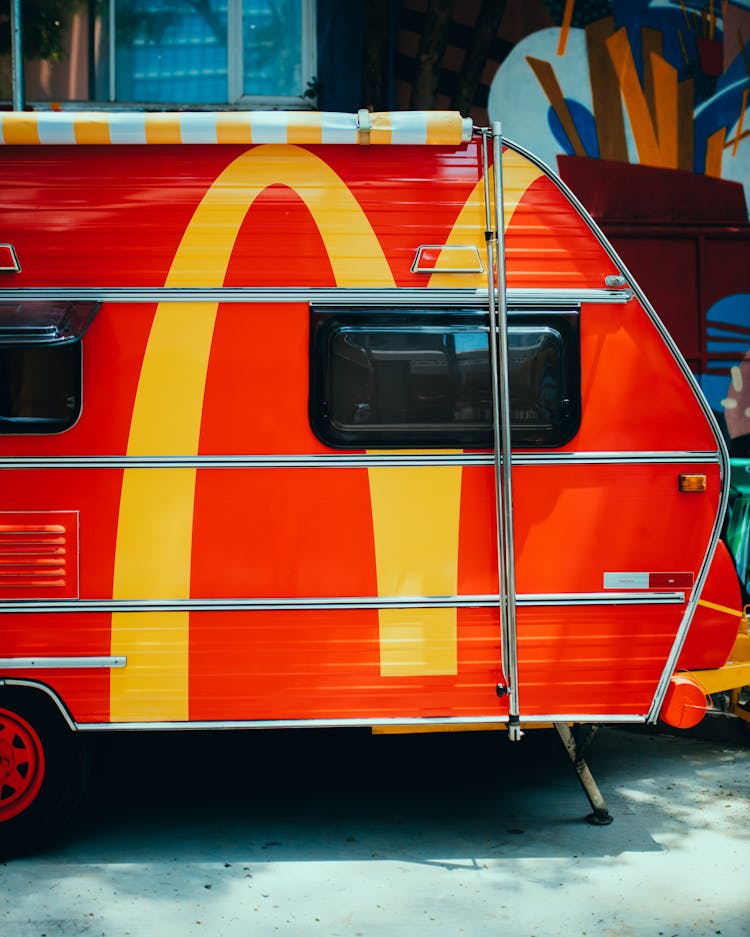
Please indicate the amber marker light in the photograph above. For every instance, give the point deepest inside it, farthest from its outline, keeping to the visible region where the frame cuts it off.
(693, 483)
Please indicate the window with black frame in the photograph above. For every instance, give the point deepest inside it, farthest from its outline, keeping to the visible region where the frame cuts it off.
(392, 378)
(40, 364)
(40, 387)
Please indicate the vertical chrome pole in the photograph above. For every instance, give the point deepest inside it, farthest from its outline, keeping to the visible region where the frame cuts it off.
(16, 56)
(502, 686)
(503, 400)
(112, 51)
(235, 51)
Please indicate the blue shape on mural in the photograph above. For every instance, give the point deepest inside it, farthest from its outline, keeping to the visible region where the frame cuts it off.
(584, 124)
(723, 110)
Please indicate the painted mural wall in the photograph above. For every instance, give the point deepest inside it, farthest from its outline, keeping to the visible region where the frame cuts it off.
(642, 107)
(658, 82)
(662, 83)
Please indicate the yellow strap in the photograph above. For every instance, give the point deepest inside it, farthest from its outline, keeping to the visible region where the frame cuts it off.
(720, 608)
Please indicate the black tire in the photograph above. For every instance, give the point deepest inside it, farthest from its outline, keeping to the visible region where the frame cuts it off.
(44, 770)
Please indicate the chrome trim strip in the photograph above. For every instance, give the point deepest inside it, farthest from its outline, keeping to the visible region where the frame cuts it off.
(584, 718)
(356, 460)
(550, 457)
(333, 723)
(61, 663)
(332, 603)
(600, 598)
(338, 296)
(499, 720)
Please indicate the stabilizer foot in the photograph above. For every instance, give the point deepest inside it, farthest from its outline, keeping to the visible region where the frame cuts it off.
(575, 745)
(600, 819)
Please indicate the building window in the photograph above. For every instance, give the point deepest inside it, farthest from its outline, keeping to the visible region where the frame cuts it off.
(406, 378)
(213, 51)
(183, 53)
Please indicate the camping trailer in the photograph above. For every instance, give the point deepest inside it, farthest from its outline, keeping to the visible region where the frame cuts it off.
(334, 420)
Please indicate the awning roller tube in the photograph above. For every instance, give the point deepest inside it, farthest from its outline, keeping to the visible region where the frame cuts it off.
(442, 128)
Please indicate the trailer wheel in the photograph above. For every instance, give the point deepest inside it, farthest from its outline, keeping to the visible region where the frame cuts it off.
(44, 768)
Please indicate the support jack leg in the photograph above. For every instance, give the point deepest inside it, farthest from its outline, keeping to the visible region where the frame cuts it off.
(575, 745)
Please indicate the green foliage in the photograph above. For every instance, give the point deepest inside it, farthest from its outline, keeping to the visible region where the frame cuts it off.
(312, 90)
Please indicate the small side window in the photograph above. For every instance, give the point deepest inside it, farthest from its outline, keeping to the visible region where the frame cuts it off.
(407, 378)
(40, 363)
(40, 387)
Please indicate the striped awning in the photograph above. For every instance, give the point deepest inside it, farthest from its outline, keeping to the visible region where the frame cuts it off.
(446, 128)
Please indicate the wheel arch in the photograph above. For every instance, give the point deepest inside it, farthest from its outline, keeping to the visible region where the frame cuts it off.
(40, 690)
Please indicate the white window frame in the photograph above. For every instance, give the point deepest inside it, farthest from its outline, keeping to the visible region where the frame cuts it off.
(235, 51)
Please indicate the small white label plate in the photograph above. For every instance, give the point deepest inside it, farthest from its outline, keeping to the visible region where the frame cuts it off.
(626, 580)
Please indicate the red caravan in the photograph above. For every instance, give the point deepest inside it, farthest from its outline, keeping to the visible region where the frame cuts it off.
(249, 412)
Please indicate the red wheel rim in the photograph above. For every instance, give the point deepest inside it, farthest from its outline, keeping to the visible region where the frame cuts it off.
(21, 764)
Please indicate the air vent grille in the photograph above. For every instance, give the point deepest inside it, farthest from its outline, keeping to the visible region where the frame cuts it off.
(38, 555)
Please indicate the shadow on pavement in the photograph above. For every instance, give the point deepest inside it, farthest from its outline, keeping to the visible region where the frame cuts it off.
(289, 795)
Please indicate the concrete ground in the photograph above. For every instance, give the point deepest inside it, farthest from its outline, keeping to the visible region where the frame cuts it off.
(340, 833)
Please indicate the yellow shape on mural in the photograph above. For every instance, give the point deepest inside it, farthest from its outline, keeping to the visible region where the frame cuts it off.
(656, 142)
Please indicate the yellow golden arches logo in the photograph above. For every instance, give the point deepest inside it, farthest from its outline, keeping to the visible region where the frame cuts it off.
(154, 539)
(154, 535)
(416, 546)
(518, 174)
